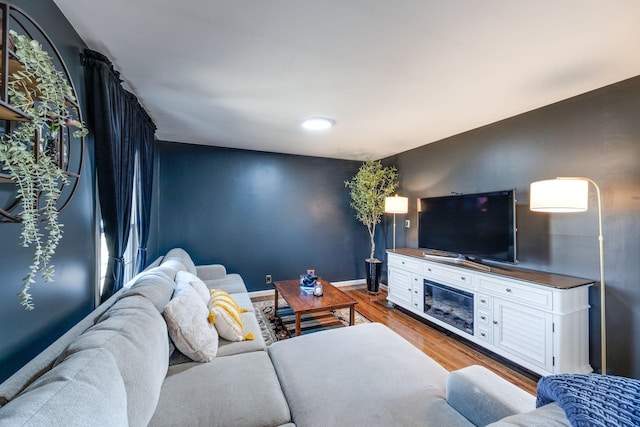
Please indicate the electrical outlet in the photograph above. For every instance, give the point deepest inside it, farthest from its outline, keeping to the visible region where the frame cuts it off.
(407, 223)
(267, 278)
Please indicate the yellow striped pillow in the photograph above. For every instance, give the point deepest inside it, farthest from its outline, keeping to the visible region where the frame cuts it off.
(225, 315)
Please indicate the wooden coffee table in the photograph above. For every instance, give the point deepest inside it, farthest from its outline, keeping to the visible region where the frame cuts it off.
(302, 303)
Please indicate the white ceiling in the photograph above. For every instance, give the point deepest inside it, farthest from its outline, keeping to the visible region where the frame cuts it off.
(394, 75)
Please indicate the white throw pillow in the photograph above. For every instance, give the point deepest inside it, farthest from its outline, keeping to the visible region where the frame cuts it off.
(189, 328)
(196, 283)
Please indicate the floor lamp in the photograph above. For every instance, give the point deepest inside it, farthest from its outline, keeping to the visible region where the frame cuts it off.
(396, 205)
(571, 194)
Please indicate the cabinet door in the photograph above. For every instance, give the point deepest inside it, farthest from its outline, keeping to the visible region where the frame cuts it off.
(524, 332)
(400, 286)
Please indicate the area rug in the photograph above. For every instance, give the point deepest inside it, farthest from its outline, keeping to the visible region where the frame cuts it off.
(281, 325)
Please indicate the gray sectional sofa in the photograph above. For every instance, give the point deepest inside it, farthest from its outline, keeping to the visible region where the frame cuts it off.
(117, 367)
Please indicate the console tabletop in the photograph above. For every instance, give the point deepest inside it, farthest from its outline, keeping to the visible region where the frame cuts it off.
(559, 281)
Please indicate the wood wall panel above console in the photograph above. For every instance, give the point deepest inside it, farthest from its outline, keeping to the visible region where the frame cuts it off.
(535, 319)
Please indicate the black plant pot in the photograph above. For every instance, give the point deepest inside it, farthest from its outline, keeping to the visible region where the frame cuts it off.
(373, 267)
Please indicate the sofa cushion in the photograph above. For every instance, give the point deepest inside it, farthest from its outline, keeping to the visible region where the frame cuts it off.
(361, 375)
(195, 282)
(484, 397)
(44, 361)
(231, 283)
(250, 325)
(135, 334)
(184, 257)
(242, 391)
(171, 267)
(187, 318)
(550, 415)
(211, 271)
(155, 285)
(226, 316)
(86, 389)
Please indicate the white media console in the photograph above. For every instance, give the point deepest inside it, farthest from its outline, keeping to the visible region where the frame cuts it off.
(535, 319)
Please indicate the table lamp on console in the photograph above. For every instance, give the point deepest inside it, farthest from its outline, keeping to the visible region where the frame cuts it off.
(571, 194)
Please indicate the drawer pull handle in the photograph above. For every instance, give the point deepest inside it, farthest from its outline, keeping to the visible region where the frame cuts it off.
(428, 269)
(483, 301)
(495, 322)
(482, 334)
(463, 278)
(402, 262)
(483, 317)
(508, 290)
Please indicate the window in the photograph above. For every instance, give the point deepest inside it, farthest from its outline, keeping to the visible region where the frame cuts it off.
(130, 251)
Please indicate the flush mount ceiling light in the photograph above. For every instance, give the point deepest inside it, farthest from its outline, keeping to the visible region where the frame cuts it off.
(318, 123)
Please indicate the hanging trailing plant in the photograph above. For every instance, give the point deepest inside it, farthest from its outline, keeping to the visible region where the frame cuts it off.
(41, 92)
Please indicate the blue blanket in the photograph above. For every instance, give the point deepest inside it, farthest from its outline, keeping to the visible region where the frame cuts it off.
(592, 399)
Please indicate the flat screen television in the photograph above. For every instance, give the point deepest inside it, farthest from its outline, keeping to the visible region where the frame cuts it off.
(479, 226)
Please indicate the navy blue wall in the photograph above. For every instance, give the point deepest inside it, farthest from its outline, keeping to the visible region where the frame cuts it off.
(60, 304)
(258, 213)
(595, 135)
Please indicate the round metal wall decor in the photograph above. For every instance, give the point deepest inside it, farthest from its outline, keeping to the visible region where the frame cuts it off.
(62, 146)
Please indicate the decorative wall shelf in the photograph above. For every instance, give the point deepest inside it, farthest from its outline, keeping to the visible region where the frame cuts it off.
(9, 112)
(67, 150)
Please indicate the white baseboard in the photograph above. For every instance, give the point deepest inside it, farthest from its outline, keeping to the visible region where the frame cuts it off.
(349, 283)
(355, 283)
(269, 292)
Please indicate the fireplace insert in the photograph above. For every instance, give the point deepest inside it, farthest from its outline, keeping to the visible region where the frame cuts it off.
(450, 305)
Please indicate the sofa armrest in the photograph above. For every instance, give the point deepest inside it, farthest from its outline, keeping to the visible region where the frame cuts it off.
(483, 397)
(211, 271)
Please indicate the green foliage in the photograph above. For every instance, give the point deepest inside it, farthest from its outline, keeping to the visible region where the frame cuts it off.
(369, 187)
(41, 92)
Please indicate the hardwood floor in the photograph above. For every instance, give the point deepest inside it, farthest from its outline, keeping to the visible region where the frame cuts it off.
(442, 346)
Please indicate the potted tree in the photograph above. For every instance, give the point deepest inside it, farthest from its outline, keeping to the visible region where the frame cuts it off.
(369, 187)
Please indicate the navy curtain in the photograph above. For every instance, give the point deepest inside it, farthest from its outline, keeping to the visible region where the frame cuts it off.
(115, 118)
(144, 187)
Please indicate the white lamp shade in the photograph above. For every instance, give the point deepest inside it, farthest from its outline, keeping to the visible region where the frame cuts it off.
(396, 204)
(559, 195)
